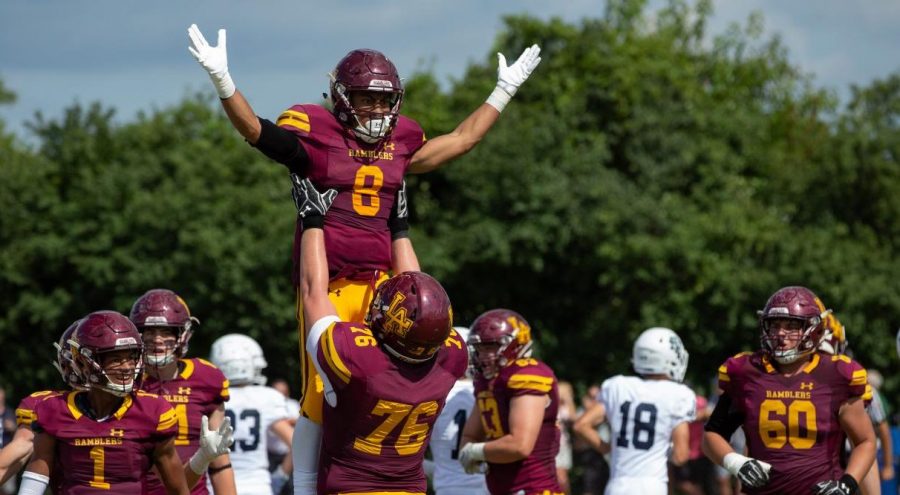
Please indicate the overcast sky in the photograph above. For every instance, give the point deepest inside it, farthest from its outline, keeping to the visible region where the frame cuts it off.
(133, 55)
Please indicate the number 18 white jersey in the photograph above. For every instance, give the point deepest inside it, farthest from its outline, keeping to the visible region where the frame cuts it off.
(253, 409)
(641, 415)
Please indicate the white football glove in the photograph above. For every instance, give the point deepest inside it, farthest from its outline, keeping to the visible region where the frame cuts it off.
(212, 444)
(213, 59)
(510, 78)
(471, 457)
(751, 472)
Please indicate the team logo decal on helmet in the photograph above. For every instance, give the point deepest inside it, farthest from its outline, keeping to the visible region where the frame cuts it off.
(659, 351)
(798, 304)
(496, 339)
(418, 319)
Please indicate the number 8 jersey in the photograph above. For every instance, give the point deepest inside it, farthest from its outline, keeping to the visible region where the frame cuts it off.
(791, 422)
(367, 178)
(641, 415)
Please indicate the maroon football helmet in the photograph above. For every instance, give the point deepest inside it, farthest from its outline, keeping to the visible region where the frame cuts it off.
(411, 315)
(103, 332)
(496, 339)
(164, 308)
(64, 363)
(793, 303)
(366, 70)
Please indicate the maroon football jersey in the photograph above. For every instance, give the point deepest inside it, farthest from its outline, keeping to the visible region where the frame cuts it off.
(198, 390)
(792, 422)
(114, 455)
(537, 472)
(25, 411)
(375, 438)
(367, 178)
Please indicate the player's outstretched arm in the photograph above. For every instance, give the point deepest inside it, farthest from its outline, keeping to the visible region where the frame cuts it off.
(15, 455)
(586, 427)
(403, 256)
(221, 475)
(214, 60)
(311, 208)
(213, 444)
(37, 476)
(470, 131)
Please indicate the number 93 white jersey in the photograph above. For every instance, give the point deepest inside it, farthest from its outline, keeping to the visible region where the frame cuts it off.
(641, 415)
(253, 409)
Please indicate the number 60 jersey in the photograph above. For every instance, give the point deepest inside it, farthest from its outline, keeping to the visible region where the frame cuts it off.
(642, 414)
(792, 422)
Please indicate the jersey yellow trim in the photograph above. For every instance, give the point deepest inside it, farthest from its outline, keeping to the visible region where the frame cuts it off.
(225, 392)
(73, 409)
(24, 417)
(124, 407)
(293, 118)
(533, 382)
(840, 357)
(188, 369)
(207, 363)
(167, 420)
(332, 357)
(867, 395)
(723, 374)
(812, 364)
(859, 378)
(741, 354)
(767, 365)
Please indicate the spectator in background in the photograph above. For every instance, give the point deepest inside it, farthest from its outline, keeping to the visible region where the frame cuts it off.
(592, 465)
(698, 475)
(565, 418)
(8, 416)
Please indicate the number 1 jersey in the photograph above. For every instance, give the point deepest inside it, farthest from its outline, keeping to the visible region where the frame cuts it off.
(642, 414)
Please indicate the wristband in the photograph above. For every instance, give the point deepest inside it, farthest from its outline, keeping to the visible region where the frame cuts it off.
(313, 222)
(499, 98)
(733, 461)
(850, 482)
(214, 470)
(224, 85)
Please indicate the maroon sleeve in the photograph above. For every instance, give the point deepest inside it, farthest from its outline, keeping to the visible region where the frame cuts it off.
(529, 377)
(409, 133)
(336, 351)
(25, 414)
(853, 379)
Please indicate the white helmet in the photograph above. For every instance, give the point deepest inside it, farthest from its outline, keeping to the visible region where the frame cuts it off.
(240, 358)
(659, 351)
(463, 333)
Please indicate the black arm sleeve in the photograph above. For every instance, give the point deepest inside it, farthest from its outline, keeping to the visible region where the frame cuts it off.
(724, 420)
(283, 147)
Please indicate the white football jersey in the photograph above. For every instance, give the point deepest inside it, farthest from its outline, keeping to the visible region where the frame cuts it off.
(253, 409)
(449, 477)
(641, 415)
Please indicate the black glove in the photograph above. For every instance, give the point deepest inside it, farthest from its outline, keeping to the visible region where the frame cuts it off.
(844, 486)
(752, 474)
(399, 221)
(311, 204)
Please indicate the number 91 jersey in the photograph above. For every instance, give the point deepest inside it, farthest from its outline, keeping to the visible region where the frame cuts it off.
(642, 414)
(366, 177)
(792, 422)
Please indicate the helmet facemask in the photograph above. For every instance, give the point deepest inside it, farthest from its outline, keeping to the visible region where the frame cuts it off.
(118, 382)
(174, 350)
(808, 340)
(370, 127)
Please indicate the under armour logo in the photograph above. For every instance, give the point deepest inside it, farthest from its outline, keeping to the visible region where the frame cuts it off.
(116, 433)
(184, 390)
(390, 146)
(806, 385)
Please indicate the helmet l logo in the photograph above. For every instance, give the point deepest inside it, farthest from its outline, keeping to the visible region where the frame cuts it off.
(396, 320)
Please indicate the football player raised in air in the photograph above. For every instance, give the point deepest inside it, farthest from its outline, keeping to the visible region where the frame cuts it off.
(513, 425)
(254, 411)
(448, 477)
(646, 413)
(362, 148)
(194, 387)
(15, 455)
(385, 381)
(795, 405)
(107, 439)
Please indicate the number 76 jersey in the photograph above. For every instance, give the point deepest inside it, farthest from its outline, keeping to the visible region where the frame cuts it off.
(374, 436)
(792, 422)
(642, 414)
